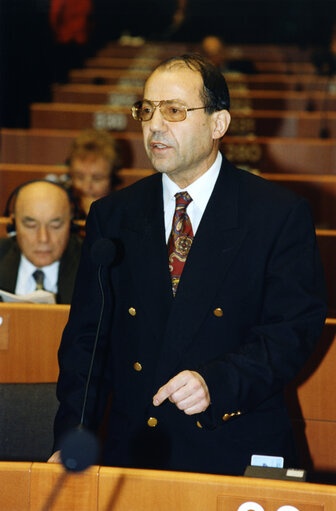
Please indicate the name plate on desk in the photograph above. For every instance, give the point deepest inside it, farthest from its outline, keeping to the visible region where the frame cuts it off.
(121, 99)
(109, 121)
(254, 503)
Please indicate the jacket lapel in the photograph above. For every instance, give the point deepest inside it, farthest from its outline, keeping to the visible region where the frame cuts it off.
(146, 254)
(67, 270)
(217, 240)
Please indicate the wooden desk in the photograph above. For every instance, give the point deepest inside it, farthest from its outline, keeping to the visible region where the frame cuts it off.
(266, 154)
(147, 50)
(270, 123)
(95, 94)
(279, 123)
(52, 147)
(235, 80)
(283, 82)
(76, 116)
(149, 63)
(42, 487)
(261, 52)
(14, 174)
(115, 95)
(319, 189)
(30, 335)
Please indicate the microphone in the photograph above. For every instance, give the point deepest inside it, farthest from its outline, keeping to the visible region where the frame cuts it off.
(80, 447)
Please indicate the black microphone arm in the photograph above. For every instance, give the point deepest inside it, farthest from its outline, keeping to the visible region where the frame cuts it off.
(80, 447)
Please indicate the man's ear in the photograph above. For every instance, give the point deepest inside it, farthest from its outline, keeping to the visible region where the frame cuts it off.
(221, 123)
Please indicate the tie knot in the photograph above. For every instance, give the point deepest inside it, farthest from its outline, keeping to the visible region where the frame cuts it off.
(183, 199)
(39, 278)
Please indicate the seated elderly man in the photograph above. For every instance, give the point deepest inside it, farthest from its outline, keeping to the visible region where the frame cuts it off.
(43, 254)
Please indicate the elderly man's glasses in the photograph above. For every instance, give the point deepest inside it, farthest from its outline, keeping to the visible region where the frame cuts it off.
(172, 110)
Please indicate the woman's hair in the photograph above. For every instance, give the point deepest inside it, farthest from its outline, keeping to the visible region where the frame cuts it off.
(96, 144)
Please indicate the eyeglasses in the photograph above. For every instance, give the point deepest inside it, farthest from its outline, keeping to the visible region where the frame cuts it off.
(172, 110)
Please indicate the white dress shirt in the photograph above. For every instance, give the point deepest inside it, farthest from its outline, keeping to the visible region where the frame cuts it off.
(200, 192)
(25, 282)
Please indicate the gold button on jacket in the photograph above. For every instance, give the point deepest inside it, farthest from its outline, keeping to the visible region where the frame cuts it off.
(132, 311)
(137, 366)
(152, 422)
(218, 312)
(228, 416)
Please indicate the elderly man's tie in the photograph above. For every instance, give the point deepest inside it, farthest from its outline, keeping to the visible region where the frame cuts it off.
(39, 278)
(180, 238)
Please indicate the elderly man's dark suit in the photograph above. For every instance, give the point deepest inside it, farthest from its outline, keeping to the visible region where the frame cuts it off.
(254, 257)
(10, 259)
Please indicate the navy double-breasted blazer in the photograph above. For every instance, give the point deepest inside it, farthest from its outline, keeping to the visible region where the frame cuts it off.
(248, 311)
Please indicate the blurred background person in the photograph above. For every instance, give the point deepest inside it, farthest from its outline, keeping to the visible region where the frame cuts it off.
(41, 241)
(71, 23)
(94, 161)
(215, 50)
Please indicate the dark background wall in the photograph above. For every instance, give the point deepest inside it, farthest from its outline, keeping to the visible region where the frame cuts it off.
(29, 61)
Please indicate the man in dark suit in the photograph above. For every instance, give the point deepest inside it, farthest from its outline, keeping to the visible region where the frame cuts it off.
(41, 222)
(195, 361)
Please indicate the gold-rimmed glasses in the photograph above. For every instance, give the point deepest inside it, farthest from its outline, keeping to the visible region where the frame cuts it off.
(172, 110)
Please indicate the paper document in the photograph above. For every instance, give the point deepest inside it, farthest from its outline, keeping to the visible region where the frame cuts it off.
(40, 296)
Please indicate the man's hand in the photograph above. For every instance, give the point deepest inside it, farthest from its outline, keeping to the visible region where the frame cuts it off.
(55, 458)
(187, 390)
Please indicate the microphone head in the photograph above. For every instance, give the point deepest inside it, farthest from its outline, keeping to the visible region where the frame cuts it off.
(79, 450)
(103, 252)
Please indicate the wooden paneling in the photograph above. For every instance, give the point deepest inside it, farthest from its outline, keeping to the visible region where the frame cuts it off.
(30, 335)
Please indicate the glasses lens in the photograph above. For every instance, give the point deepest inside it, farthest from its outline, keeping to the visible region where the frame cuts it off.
(173, 111)
(137, 111)
(142, 110)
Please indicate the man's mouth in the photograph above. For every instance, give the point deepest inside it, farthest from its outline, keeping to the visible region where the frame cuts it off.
(158, 146)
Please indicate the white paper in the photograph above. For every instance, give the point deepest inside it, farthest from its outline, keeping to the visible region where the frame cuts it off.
(39, 296)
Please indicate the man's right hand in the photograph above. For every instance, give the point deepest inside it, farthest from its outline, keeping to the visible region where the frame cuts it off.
(55, 458)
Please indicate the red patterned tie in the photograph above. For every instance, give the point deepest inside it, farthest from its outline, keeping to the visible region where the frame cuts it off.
(180, 238)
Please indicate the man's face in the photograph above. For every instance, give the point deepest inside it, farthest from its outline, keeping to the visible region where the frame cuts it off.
(186, 149)
(42, 218)
(91, 177)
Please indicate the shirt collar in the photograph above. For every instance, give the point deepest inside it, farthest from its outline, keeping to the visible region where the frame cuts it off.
(50, 271)
(200, 190)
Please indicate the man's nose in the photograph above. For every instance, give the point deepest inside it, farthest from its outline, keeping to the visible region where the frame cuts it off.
(157, 122)
(43, 235)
